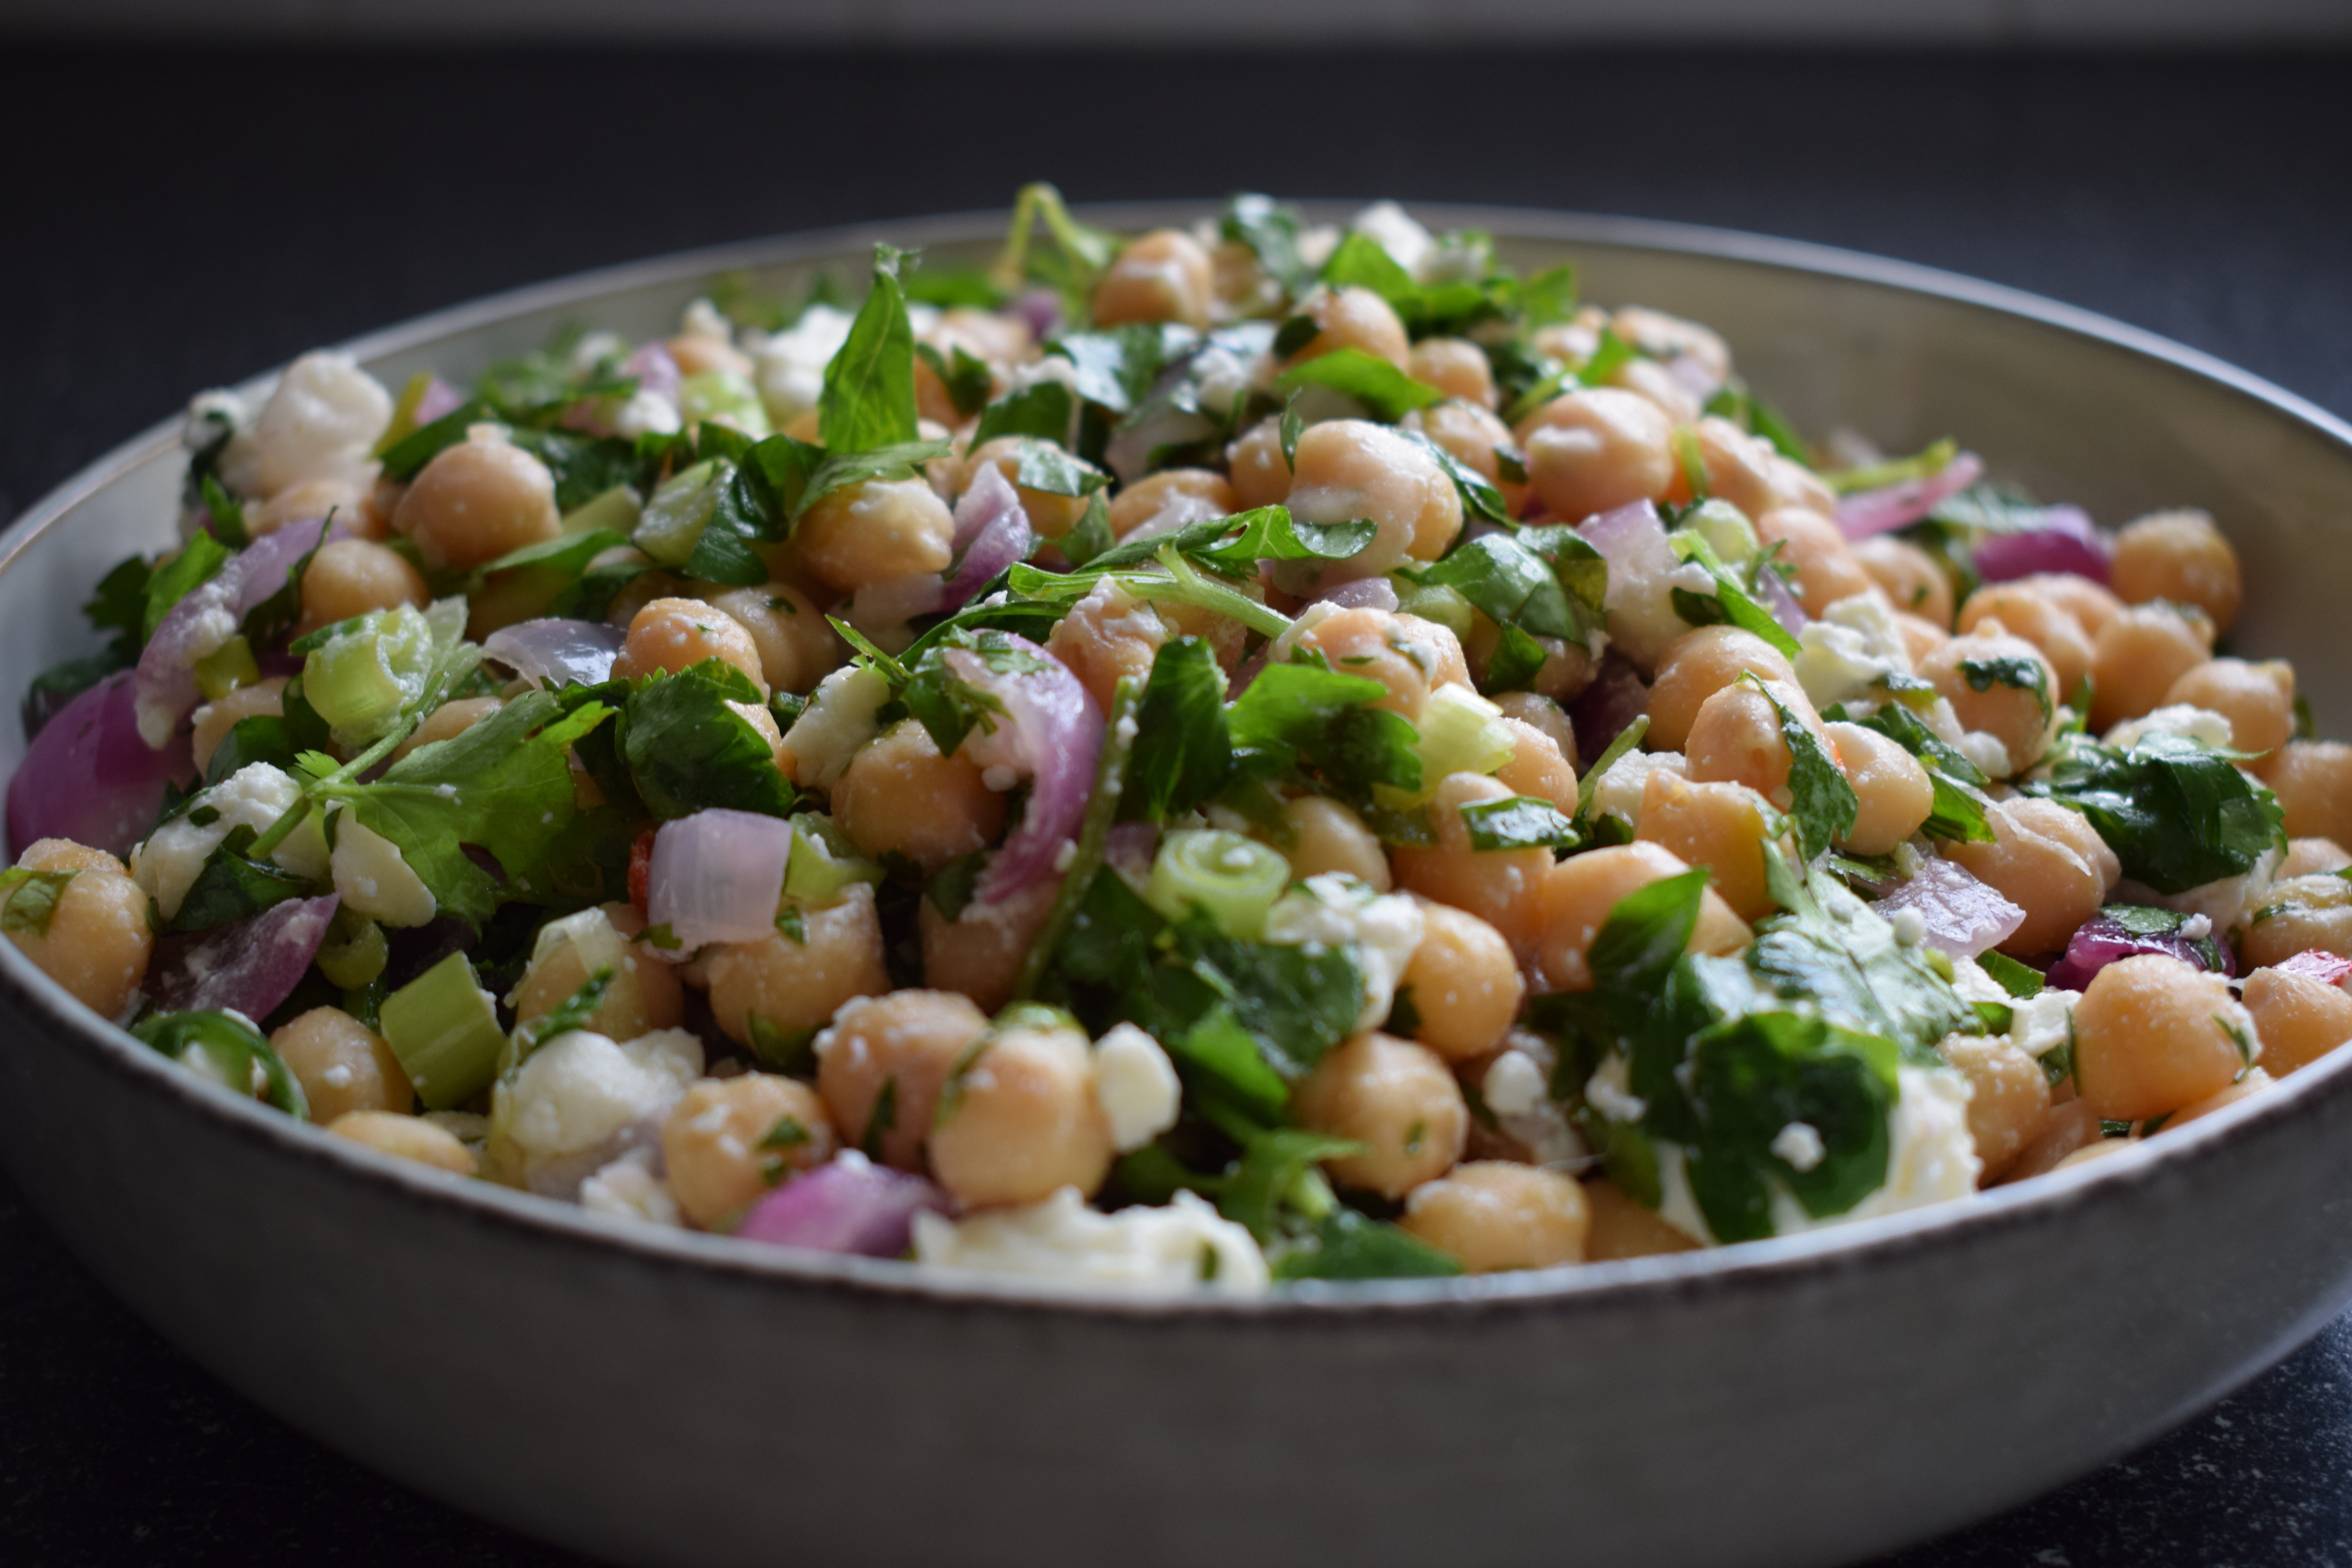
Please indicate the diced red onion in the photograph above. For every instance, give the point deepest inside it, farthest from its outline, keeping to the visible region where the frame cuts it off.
(438, 399)
(1128, 849)
(992, 532)
(89, 776)
(2101, 940)
(2066, 540)
(1363, 594)
(1053, 733)
(717, 876)
(849, 1204)
(655, 370)
(1633, 540)
(202, 622)
(1868, 512)
(1614, 699)
(1963, 917)
(556, 652)
(1773, 594)
(248, 966)
(2313, 964)
(1041, 308)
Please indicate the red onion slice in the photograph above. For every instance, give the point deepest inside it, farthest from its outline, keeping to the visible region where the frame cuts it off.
(438, 399)
(1363, 594)
(556, 652)
(1963, 916)
(2313, 964)
(992, 533)
(1052, 734)
(90, 776)
(204, 621)
(1772, 593)
(655, 370)
(1614, 699)
(1041, 308)
(850, 1204)
(250, 966)
(717, 876)
(2101, 940)
(1868, 512)
(1633, 540)
(2066, 540)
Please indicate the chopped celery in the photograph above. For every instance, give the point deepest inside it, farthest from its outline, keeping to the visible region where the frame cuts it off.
(361, 678)
(1435, 602)
(225, 668)
(674, 519)
(1726, 527)
(727, 398)
(823, 861)
(618, 509)
(354, 952)
(1231, 879)
(1461, 732)
(445, 1030)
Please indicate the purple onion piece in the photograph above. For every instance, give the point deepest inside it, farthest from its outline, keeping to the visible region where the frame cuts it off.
(1773, 594)
(1363, 594)
(2314, 964)
(848, 1206)
(557, 652)
(1054, 733)
(165, 681)
(1633, 540)
(438, 399)
(2066, 540)
(248, 966)
(1868, 512)
(1615, 699)
(992, 532)
(655, 370)
(1963, 917)
(89, 776)
(1041, 308)
(2102, 939)
(717, 876)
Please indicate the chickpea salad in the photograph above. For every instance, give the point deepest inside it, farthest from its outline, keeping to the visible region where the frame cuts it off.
(1181, 762)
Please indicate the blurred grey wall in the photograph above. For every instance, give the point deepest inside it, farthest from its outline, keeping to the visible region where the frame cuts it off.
(1209, 22)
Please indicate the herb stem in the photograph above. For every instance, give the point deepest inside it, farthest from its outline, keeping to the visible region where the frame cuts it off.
(1184, 585)
(1102, 810)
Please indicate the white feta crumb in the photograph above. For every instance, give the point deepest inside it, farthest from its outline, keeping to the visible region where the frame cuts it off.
(2196, 928)
(999, 776)
(1610, 1091)
(647, 412)
(445, 791)
(1137, 1086)
(1799, 1144)
(1847, 653)
(1063, 856)
(2180, 718)
(1513, 1086)
(579, 1089)
(789, 366)
(628, 1189)
(373, 880)
(1175, 1250)
(255, 796)
(1987, 753)
(1335, 909)
(1693, 578)
(1910, 926)
(838, 720)
(701, 318)
(1618, 793)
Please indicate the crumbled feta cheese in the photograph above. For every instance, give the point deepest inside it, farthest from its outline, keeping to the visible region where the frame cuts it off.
(1800, 1144)
(2040, 1023)
(1987, 753)
(838, 720)
(1336, 909)
(320, 423)
(2226, 905)
(1693, 578)
(1182, 1248)
(1515, 1087)
(1316, 244)
(592, 350)
(255, 796)
(1840, 663)
(373, 880)
(1610, 1091)
(579, 1089)
(789, 366)
(1219, 376)
(647, 412)
(1618, 793)
(701, 318)
(1137, 1086)
(1513, 1084)
(628, 1189)
(2180, 718)
(1037, 372)
(1910, 926)
(1932, 1158)
(337, 1077)
(1971, 984)
(1388, 225)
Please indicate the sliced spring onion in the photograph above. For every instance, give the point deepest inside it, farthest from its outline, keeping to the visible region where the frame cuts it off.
(225, 668)
(445, 1030)
(823, 861)
(354, 952)
(1231, 879)
(674, 519)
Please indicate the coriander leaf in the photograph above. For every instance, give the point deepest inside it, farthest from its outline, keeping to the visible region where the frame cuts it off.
(1514, 586)
(1218, 1057)
(1359, 261)
(1090, 535)
(1272, 1164)
(1044, 411)
(2012, 977)
(1117, 366)
(2017, 671)
(1960, 807)
(947, 705)
(1388, 393)
(1548, 297)
(175, 579)
(2176, 812)
(686, 750)
(231, 885)
(1183, 753)
(1646, 932)
(228, 513)
(869, 399)
(1345, 1245)
(1734, 602)
(842, 470)
(1270, 228)
(965, 378)
(119, 605)
(1291, 428)
(1271, 533)
(1838, 953)
(1297, 713)
(1822, 803)
(1518, 821)
(1480, 500)
(1044, 465)
(28, 899)
(1754, 1075)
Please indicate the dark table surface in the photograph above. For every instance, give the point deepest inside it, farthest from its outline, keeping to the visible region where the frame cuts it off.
(188, 218)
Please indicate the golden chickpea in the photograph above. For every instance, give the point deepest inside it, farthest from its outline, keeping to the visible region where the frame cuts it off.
(1718, 826)
(675, 635)
(2153, 1034)
(1470, 435)
(873, 531)
(2047, 861)
(97, 941)
(1827, 569)
(2179, 556)
(1493, 1216)
(1352, 317)
(342, 1064)
(1696, 665)
(1893, 794)
(727, 1142)
(2139, 656)
(2298, 1018)
(2067, 1131)
(880, 1065)
(645, 994)
(1172, 498)
(1737, 739)
(2253, 1081)
(2002, 686)
(1050, 515)
(696, 353)
(1020, 1121)
(2050, 626)
(900, 794)
(405, 1138)
(1536, 767)
(1582, 889)
(1567, 669)
(797, 984)
(1502, 886)
(1255, 467)
(477, 501)
(1326, 836)
(1410, 656)
(353, 576)
(214, 721)
(1351, 469)
(1107, 635)
(1164, 275)
(1620, 1227)
(1396, 1099)
(1737, 465)
(2313, 781)
(1648, 378)
(1456, 368)
(2258, 700)
(1920, 638)
(307, 501)
(979, 952)
(2312, 911)
(447, 723)
(1596, 449)
(1908, 576)
(796, 647)
(2091, 605)
(2009, 1098)
(2306, 856)
(1544, 713)
(1465, 983)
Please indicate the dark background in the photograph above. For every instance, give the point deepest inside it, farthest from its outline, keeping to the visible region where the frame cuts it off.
(187, 217)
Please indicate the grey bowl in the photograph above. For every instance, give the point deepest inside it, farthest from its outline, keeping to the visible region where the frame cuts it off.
(667, 1398)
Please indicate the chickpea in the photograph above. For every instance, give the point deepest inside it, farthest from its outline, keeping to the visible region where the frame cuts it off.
(1410, 656)
(1502, 886)
(1696, 665)
(2047, 861)
(643, 590)
(1620, 1227)
(1352, 317)
(405, 1138)
(1350, 469)
(1396, 1099)
(2153, 1034)
(2069, 1130)
(2091, 605)
(675, 635)
(1737, 739)
(1648, 378)
(1494, 1215)
(727, 1142)
(214, 721)
(796, 648)
(305, 501)
(645, 994)
(979, 952)
(1465, 983)
(1164, 275)
(1908, 576)
(2251, 1082)
(1326, 836)
(476, 500)
(1020, 1121)
(1470, 435)
(2139, 656)
(2179, 556)
(1544, 713)
(1567, 669)
(342, 1064)
(1718, 826)
(1107, 634)
(2009, 1099)
(2313, 911)
(1172, 498)
(97, 941)
(1050, 515)
(2313, 781)
(1595, 449)
(793, 985)
(1920, 638)
(1893, 794)
(1536, 767)
(1582, 890)
(353, 576)
(2258, 700)
(447, 723)
(2298, 1018)
(900, 794)
(1976, 674)
(873, 531)
(2051, 627)
(1737, 465)
(2306, 856)
(2098, 1151)
(1456, 368)
(1255, 467)
(1827, 569)
(881, 1063)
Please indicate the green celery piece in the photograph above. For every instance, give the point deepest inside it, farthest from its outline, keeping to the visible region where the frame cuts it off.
(445, 1030)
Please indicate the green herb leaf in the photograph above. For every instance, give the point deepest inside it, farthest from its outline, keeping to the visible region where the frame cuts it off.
(1043, 411)
(28, 899)
(2176, 812)
(177, 578)
(1387, 392)
(1822, 803)
(232, 886)
(966, 379)
(1296, 715)
(1183, 751)
(1733, 601)
(868, 400)
(1960, 803)
(1345, 1245)
(687, 751)
(1518, 821)
(2010, 975)
(231, 1050)
(2016, 671)
(1271, 230)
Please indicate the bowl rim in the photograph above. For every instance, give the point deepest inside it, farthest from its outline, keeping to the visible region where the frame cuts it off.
(1612, 1285)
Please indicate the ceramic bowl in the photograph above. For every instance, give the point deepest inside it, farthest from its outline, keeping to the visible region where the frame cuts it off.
(656, 1398)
